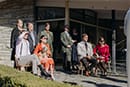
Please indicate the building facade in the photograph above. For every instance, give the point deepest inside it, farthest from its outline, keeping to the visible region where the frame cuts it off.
(94, 17)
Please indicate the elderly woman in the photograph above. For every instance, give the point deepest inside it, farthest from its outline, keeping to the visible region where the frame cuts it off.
(42, 50)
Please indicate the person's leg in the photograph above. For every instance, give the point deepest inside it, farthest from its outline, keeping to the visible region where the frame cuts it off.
(64, 61)
(103, 67)
(52, 71)
(69, 63)
(93, 63)
(85, 64)
(43, 72)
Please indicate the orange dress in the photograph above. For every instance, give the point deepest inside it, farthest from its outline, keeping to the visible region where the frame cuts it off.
(46, 62)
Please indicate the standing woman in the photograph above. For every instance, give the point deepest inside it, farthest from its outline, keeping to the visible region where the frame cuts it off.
(49, 35)
(43, 51)
(102, 53)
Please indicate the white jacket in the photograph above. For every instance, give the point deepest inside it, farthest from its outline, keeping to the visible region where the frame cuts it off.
(81, 49)
(22, 46)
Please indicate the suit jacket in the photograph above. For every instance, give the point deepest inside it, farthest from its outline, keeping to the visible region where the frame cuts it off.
(31, 41)
(50, 38)
(66, 40)
(14, 35)
(82, 51)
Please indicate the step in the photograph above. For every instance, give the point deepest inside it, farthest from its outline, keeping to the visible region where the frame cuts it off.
(5, 52)
(5, 47)
(5, 28)
(5, 56)
(7, 63)
(5, 31)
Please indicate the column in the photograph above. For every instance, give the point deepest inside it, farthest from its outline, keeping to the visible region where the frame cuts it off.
(113, 42)
(67, 12)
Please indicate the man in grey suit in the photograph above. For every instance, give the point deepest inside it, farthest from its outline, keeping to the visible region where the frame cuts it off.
(85, 54)
(67, 42)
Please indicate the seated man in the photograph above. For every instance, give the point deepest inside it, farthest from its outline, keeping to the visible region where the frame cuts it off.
(85, 54)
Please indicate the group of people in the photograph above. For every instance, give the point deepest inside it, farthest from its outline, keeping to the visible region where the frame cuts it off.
(26, 49)
(76, 52)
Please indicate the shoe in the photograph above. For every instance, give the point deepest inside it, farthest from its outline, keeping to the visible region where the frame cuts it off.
(87, 73)
(53, 78)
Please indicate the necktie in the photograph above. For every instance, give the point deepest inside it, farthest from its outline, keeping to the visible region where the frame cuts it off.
(86, 46)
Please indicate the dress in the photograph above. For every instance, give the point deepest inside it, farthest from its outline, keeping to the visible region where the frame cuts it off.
(102, 52)
(45, 61)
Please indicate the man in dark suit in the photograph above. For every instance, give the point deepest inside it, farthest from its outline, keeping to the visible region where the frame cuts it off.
(32, 38)
(14, 35)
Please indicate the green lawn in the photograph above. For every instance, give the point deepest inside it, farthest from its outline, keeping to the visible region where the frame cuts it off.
(10, 77)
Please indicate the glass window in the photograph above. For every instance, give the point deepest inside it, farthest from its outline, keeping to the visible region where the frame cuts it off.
(49, 13)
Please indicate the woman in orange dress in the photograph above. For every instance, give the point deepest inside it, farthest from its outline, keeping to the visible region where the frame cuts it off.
(42, 50)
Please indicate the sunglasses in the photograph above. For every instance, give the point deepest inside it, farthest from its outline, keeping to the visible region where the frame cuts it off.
(46, 38)
(101, 40)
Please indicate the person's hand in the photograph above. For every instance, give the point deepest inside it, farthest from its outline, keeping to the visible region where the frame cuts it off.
(69, 46)
(74, 41)
(97, 55)
(89, 57)
(102, 57)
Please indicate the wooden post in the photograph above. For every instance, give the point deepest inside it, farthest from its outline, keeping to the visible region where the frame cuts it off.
(67, 12)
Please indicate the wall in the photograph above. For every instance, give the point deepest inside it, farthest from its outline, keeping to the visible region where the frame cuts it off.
(11, 10)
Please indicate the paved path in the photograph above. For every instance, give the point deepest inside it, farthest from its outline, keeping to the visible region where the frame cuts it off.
(109, 81)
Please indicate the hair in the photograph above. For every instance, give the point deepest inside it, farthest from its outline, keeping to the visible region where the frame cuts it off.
(41, 38)
(66, 26)
(101, 39)
(83, 35)
(18, 20)
(46, 24)
(29, 23)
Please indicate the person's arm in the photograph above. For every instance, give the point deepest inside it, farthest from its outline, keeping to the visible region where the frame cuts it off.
(107, 52)
(63, 40)
(52, 37)
(49, 51)
(90, 49)
(12, 39)
(37, 49)
(79, 51)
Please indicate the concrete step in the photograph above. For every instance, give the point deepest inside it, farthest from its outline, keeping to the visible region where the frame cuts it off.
(7, 63)
(5, 32)
(5, 56)
(5, 52)
(5, 46)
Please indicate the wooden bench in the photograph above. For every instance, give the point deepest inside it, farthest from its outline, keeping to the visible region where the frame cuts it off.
(21, 67)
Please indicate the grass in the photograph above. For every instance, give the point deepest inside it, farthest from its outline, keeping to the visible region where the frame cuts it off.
(10, 77)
